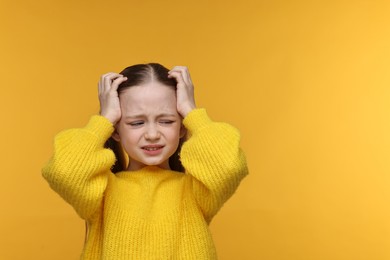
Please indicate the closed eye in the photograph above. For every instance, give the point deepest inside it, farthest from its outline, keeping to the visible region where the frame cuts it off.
(166, 122)
(136, 123)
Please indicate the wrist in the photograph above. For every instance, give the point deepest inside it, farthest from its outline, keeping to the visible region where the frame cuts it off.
(186, 110)
(112, 119)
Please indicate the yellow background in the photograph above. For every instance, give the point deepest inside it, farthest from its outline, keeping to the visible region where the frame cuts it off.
(306, 82)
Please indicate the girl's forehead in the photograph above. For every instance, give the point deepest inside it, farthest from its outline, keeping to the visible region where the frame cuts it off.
(148, 99)
(153, 89)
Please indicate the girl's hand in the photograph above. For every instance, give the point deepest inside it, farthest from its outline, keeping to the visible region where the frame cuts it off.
(108, 96)
(184, 90)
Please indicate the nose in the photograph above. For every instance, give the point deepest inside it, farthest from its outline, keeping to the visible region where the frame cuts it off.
(152, 133)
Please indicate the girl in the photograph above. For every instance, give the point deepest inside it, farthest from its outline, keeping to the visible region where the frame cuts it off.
(160, 203)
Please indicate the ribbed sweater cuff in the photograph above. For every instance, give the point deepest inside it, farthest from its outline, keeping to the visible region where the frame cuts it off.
(196, 119)
(100, 126)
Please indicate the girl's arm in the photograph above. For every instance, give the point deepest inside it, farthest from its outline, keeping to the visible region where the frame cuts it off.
(212, 154)
(79, 168)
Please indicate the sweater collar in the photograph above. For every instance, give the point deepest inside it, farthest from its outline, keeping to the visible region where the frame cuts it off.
(149, 169)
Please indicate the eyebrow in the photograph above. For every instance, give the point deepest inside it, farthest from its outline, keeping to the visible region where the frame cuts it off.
(159, 115)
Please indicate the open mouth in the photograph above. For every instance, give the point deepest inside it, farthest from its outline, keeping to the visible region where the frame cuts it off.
(152, 148)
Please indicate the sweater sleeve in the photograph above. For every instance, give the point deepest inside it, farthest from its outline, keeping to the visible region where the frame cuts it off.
(212, 155)
(79, 168)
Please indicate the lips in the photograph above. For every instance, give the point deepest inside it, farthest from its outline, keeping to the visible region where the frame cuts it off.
(152, 150)
(152, 147)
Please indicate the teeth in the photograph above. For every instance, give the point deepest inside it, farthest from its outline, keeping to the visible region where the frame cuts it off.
(151, 148)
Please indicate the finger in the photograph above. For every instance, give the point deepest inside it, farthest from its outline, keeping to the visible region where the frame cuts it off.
(104, 76)
(185, 73)
(101, 83)
(180, 69)
(108, 80)
(178, 76)
(99, 87)
(183, 76)
(102, 80)
(117, 82)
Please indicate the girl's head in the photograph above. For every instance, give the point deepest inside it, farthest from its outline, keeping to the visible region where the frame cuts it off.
(150, 129)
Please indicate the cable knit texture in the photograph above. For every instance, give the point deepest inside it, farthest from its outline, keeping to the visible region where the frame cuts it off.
(151, 213)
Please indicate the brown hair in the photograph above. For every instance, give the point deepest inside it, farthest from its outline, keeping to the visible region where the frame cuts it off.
(137, 75)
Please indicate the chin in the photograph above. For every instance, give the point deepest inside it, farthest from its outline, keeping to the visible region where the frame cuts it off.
(163, 164)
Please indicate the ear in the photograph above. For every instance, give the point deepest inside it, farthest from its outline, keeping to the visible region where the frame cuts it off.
(183, 131)
(116, 136)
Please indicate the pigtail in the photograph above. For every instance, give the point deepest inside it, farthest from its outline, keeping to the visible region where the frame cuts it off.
(116, 147)
(174, 161)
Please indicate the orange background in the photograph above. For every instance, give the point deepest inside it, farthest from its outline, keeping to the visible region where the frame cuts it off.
(306, 82)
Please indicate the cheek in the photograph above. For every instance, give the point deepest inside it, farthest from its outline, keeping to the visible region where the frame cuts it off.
(174, 133)
(130, 136)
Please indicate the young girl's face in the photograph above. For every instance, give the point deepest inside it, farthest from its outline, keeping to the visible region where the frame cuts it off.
(150, 126)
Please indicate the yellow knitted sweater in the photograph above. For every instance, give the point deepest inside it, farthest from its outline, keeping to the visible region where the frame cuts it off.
(151, 213)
